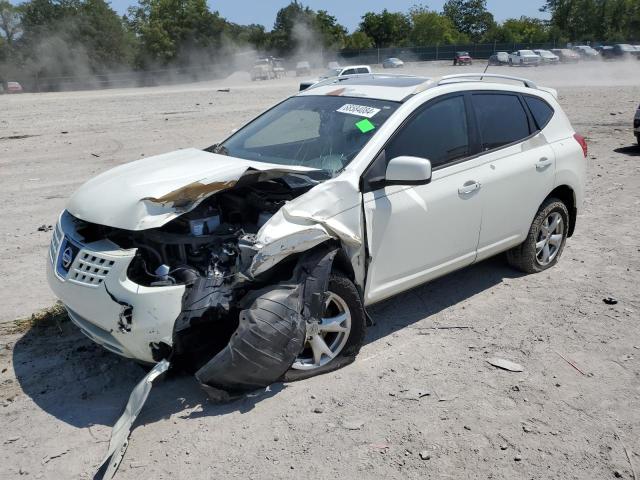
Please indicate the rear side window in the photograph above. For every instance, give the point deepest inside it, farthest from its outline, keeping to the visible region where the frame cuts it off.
(362, 70)
(438, 133)
(501, 119)
(540, 110)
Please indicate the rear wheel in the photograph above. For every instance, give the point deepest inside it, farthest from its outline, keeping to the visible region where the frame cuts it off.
(545, 242)
(335, 340)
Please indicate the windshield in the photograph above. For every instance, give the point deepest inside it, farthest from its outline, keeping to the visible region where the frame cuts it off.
(463, 54)
(526, 52)
(322, 132)
(332, 72)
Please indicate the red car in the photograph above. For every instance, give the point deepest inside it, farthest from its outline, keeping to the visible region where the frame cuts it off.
(14, 87)
(462, 58)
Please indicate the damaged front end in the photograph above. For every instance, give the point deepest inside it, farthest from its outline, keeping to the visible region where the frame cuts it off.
(224, 285)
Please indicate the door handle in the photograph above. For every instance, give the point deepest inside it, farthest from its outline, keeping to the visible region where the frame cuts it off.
(469, 187)
(543, 163)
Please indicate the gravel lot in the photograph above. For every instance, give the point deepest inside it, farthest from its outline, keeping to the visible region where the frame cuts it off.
(60, 394)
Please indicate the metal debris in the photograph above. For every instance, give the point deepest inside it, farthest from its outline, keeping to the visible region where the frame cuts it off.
(121, 430)
(505, 364)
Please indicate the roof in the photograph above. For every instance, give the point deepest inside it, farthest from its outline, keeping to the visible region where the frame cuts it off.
(375, 85)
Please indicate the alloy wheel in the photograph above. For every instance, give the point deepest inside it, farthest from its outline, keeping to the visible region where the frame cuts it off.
(549, 239)
(326, 338)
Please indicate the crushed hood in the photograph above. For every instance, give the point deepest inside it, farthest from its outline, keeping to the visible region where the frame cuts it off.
(151, 192)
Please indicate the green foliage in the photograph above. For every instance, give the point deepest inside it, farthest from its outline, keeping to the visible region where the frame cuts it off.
(520, 30)
(358, 41)
(386, 29)
(470, 17)
(610, 20)
(429, 28)
(300, 29)
(176, 31)
(10, 26)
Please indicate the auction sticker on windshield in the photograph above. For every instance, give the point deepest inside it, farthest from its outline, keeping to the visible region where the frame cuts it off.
(358, 110)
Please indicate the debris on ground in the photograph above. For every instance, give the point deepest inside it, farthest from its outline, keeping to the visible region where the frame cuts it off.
(353, 424)
(570, 363)
(505, 364)
(122, 429)
(610, 300)
(424, 455)
(412, 393)
(226, 90)
(45, 228)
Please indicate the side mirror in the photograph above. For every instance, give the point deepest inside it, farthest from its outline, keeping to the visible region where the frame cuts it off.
(408, 171)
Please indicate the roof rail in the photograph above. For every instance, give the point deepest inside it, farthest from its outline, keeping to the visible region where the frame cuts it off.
(480, 76)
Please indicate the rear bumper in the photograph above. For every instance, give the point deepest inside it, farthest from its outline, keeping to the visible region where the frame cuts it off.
(122, 316)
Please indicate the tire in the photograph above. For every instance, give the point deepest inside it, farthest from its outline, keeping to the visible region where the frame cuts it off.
(343, 288)
(510, 63)
(526, 257)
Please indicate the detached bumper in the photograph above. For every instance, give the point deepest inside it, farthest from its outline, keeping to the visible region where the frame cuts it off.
(122, 316)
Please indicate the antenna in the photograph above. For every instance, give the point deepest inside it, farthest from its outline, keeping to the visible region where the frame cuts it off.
(486, 68)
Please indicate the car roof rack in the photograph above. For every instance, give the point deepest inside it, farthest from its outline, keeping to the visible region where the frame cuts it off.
(469, 76)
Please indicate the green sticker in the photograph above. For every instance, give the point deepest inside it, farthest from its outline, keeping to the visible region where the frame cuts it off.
(365, 125)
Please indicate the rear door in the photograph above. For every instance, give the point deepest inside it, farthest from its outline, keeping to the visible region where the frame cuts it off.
(519, 166)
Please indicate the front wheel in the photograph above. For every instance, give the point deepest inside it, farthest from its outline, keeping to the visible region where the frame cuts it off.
(335, 340)
(546, 239)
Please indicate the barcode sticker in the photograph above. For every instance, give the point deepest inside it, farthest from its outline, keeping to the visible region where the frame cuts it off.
(358, 110)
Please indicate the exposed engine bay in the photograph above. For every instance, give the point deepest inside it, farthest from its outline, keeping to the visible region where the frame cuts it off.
(208, 250)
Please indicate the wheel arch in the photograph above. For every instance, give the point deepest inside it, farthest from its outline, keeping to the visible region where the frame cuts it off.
(567, 195)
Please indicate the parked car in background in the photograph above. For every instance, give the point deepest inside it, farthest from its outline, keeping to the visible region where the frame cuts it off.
(393, 63)
(620, 51)
(462, 58)
(337, 72)
(547, 58)
(303, 68)
(524, 58)
(14, 87)
(499, 58)
(636, 125)
(566, 55)
(605, 51)
(586, 52)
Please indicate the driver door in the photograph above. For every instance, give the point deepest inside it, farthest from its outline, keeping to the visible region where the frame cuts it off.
(417, 233)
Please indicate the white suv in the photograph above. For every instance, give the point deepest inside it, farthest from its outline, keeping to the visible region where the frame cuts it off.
(337, 72)
(256, 258)
(524, 58)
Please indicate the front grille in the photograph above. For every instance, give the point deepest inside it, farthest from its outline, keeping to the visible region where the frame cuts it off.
(89, 269)
(56, 238)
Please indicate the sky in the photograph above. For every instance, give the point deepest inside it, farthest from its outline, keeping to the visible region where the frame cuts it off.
(348, 12)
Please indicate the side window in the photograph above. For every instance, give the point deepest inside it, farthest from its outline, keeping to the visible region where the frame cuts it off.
(501, 119)
(362, 70)
(349, 71)
(540, 110)
(438, 133)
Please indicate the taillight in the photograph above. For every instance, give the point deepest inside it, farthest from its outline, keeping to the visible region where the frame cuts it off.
(583, 143)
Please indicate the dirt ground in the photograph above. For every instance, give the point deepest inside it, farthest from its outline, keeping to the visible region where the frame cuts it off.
(60, 394)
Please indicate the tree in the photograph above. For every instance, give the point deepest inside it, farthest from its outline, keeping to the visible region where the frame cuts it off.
(332, 34)
(10, 25)
(429, 28)
(612, 20)
(176, 31)
(470, 17)
(386, 29)
(520, 30)
(358, 41)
